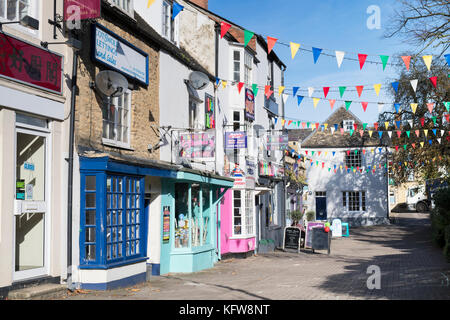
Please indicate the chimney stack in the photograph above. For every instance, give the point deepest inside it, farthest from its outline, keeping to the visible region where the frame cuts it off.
(201, 3)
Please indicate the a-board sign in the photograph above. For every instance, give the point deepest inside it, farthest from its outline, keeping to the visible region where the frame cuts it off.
(308, 232)
(337, 228)
(320, 239)
(292, 238)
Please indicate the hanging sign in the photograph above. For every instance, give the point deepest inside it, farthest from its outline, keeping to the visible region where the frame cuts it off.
(118, 54)
(83, 9)
(199, 145)
(210, 122)
(236, 140)
(239, 177)
(29, 64)
(277, 141)
(249, 105)
(166, 223)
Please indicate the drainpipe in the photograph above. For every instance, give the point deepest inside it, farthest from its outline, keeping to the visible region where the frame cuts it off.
(216, 56)
(70, 284)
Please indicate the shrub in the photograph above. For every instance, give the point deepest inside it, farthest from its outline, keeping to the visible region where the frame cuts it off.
(296, 216)
(310, 216)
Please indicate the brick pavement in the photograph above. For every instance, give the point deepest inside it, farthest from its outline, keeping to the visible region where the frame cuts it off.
(411, 268)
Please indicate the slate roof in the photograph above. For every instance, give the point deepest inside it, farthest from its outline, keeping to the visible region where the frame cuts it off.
(325, 139)
(298, 135)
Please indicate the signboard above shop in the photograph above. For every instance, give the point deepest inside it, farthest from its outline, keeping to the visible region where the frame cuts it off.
(119, 55)
(235, 140)
(198, 145)
(29, 64)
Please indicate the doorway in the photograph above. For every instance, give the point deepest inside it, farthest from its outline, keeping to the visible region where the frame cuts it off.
(31, 223)
(321, 205)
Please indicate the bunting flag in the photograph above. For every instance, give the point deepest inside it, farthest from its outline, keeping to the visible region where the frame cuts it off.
(362, 60)
(339, 57)
(149, 3)
(427, 60)
(342, 90)
(176, 9)
(413, 107)
(248, 35)
(364, 105)
(240, 85)
(347, 104)
(285, 97)
(434, 81)
(310, 91)
(268, 92)
(406, 61)
(380, 133)
(430, 107)
(395, 86)
(316, 53)
(408, 133)
(281, 89)
(414, 84)
(255, 89)
(316, 101)
(377, 88)
(398, 124)
(397, 107)
(390, 134)
(271, 43)
(384, 60)
(417, 132)
(380, 108)
(386, 124)
(422, 121)
(447, 105)
(332, 102)
(370, 133)
(376, 125)
(294, 49)
(224, 84)
(325, 91)
(410, 123)
(217, 81)
(359, 89)
(425, 132)
(299, 100)
(224, 27)
(447, 57)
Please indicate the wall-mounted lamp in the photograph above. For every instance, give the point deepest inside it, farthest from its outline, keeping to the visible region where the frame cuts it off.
(73, 43)
(26, 21)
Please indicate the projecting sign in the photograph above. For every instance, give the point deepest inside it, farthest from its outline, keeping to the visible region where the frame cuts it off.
(235, 140)
(118, 54)
(86, 9)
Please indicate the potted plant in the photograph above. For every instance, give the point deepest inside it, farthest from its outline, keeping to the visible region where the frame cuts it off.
(296, 217)
(310, 216)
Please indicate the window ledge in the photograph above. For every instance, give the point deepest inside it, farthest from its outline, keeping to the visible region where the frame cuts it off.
(241, 237)
(113, 265)
(114, 144)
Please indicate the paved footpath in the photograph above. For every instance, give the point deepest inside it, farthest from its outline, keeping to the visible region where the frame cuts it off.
(411, 268)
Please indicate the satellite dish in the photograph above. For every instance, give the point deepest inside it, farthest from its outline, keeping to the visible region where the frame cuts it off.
(198, 80)
(111, 83)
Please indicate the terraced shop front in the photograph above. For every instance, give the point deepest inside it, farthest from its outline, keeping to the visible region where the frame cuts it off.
(190, 238)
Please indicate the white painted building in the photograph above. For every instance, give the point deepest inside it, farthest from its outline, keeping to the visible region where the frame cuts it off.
(346, 174)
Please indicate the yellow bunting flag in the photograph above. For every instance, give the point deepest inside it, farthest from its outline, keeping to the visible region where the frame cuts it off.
(294, 49)
(426, 132)
(149, 3)
(325, 125)
(373, 150)
(316, 101)
(370, 133)
(386, 124)
(281, 89)
(224, 84)
(413, 107)
(283, 122)
(421, 144)
(377, 88)
(427, 61)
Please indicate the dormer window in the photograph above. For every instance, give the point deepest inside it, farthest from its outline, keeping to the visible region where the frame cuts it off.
(347, 125)
(124, 5)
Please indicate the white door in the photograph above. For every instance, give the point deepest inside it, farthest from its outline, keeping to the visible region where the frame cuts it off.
(31, 223)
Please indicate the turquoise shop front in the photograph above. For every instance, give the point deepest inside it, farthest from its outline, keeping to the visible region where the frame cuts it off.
(190, 237)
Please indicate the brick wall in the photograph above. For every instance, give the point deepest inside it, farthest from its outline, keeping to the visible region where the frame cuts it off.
(144, 104)
(201, 3)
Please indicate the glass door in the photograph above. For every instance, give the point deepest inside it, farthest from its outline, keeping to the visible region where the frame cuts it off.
(30, 204)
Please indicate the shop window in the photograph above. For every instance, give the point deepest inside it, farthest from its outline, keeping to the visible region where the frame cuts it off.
(243, 213)
(117, 120)
(113, 229)
(193, 214)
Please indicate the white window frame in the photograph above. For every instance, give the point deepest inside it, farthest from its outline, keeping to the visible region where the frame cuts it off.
(115, 102)
(248, 68)
(347, 125)
(32, 11)
(362, 198)
(169, 27)
(247, 210)
(354, 159)
(233, 64)
(127, 6)
(194, 114)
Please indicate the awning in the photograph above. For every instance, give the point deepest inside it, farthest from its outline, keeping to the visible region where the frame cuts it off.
(261, 190)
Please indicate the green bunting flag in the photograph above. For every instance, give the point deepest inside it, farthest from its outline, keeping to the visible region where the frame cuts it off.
(347, 104)
(255, 89)
(408, 133)
(364, 126)
(342, 90)
(384, 60)
(351, 132)
(248, 35)
(447, 105)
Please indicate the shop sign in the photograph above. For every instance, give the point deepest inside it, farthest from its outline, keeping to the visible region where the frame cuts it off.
(86, 9)
(236, 140)
(118, 54)
(30, 64)
(308, 234)
(239, 177)
(269, 169)
(209, 112)
(249, 105)
(166, 223)
(199, 145)
(277, 141)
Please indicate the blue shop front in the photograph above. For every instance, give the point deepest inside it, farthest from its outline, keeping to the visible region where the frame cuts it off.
(191, 220)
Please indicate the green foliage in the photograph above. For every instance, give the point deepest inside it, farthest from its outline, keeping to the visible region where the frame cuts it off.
(440, 221)
(296, 216)
(310, 216)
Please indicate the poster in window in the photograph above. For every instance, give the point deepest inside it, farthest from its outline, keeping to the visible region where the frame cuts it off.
(210, 122)
(166, 223)
(249, 105)
(199, 145)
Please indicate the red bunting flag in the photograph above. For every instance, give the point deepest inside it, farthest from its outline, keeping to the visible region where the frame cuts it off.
(303, 124)
(224, 27)
(240, 85)
(332, 102)
(417, 133)
(362, 59)
(270, 43)
(359, 89)
(434, 81)
(422, 121)
(317, 125)
(364, 105)
(364, 151)
(355, 126)
(399, 133)
(325, 91)
(406, 60)
(447, 117)
(289, 122)
(376, 125)
(430, 107)
(396, 148)
(268, 92)
(413, 145)
(361, 132)
(348, 152)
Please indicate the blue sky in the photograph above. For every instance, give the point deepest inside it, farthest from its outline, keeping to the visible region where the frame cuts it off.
(330, 25)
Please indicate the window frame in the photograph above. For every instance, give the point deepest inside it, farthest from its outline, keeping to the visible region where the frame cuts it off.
(354, 159)
(348, 125)
(120, 5)
(115, 102)
(247, 216)
(348, 201)
(169, 26)
(33, 11)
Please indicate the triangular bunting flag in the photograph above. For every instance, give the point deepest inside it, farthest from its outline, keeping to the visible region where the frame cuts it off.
(413, 107)
(224, 27)
(434, 81)
(176, 9)
(325, 91)
(395, 86)
(397, 107)
(362, 60)
(347, 104)
(406, 60)
(285, 97)
(414, 84)
(375, 125)
(377, 88)
(447, 105)
(294, 49)
(447, 57)
(364, 105)
(430, 107)
(359, 89)
(332, 102)
(316, 101)
(281, 89)
(248, 35)
(294, 91)
(342, 90)
(310, 91)
(339, 57)
(299, 100)
(384, 60)
(427, 60)
(270, 43)
(267, 91)
(240, 85)
(255, 89)
(316, 53)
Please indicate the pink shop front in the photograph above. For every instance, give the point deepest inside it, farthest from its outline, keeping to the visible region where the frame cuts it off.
(237, 218)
